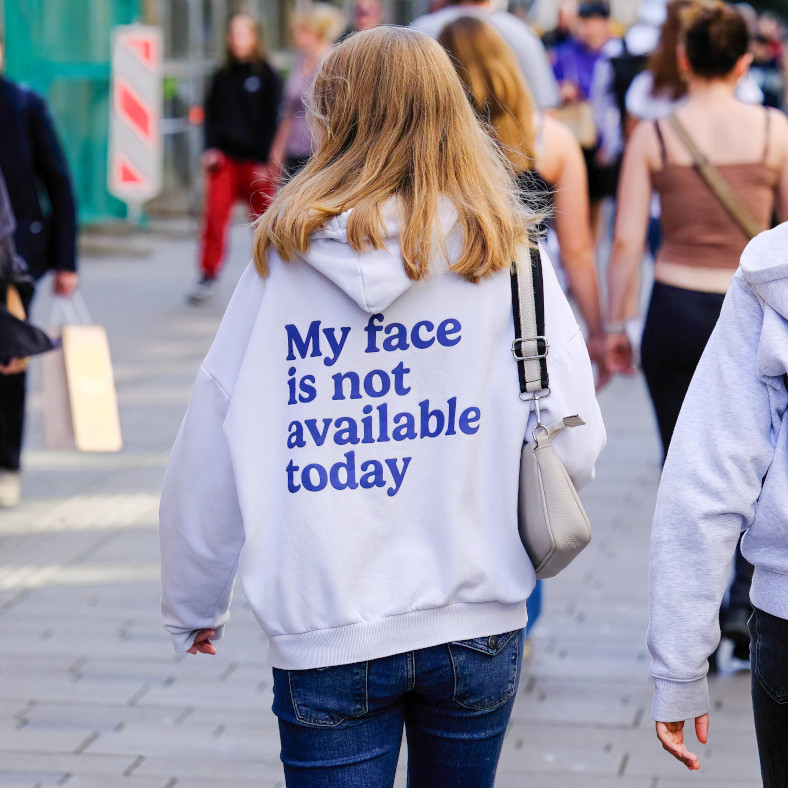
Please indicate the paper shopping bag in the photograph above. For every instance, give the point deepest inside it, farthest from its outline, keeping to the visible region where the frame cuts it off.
(80, 403)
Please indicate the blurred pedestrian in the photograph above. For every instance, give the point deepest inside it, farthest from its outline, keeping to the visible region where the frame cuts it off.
(392, 595)
(366, 15)
(18, 339)
(241, 112)
(33, 165)
(662, 88)
(313, 33)
(585, 110)
(544, 154)
(528, 48)
(768, 71)
(705, 231)
(565, 23)
(727, 473)
(574, 60)
(702, 241)
(659, 90)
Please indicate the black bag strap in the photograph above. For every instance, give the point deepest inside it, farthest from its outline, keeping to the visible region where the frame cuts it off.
(530, 346)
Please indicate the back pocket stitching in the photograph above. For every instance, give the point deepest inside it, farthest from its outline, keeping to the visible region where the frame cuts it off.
(311, 721)
(510, 691)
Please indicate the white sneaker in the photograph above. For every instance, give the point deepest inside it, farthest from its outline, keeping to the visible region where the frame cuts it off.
(10, 488)
(203, 291)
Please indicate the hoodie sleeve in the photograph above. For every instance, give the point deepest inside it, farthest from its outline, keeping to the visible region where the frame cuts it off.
(201, 530)
(718, 457)
(572, 390)
(200, 526)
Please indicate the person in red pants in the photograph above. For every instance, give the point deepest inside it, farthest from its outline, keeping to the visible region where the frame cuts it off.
(240, 123)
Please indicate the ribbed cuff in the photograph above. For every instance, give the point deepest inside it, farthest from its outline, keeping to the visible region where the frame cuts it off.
(182, 641)
(675, 701)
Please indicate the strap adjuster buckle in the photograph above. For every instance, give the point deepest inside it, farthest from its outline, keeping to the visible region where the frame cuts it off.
(542, 348)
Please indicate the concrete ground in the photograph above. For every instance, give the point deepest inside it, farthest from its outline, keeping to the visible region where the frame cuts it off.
(92, 696)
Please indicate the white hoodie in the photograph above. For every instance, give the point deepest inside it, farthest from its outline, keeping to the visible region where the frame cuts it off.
(352, 449)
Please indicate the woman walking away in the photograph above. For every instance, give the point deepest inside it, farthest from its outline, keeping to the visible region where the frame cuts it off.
(703, 237)
(543, 152)
(748, 146)
(353, 442)
(313, 33)
(240, 122)
(727, 472)
(662, 88)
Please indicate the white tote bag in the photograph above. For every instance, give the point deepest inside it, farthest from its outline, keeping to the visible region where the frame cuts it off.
(80, 405)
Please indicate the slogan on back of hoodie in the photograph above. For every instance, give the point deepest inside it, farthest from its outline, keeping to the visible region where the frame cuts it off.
(317, 373)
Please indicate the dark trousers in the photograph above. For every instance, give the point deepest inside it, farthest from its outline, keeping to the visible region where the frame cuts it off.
(12, 419)
(678, 326)
(769, 657)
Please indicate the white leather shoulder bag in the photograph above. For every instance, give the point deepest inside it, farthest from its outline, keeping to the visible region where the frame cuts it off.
(554, 527)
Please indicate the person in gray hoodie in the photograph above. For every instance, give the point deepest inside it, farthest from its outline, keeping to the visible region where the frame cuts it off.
(727, 472)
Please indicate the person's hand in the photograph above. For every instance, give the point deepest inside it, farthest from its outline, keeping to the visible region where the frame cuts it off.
(202, 642)
(619, 354)
(570, 92)
(597, 350)
(671, 735)
(14, 366)
(65, 283)
(211, 159)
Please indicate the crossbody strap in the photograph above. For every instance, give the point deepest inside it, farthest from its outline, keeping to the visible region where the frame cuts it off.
(717, 184)
(530, 344)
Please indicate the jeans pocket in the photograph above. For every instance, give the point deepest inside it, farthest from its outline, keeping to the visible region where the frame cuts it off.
(326, 697)
(770, 654)
(485, 670)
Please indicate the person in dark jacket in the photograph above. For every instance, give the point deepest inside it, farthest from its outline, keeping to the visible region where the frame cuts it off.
(240, 123)
(32, 163)
(18, 339)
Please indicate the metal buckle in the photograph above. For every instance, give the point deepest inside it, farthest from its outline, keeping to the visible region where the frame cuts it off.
(535, 356)
(525, 397)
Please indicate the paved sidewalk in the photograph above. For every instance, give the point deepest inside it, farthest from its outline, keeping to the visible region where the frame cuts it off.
(92, 696)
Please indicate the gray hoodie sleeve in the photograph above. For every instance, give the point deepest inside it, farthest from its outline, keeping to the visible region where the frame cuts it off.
(719, 454)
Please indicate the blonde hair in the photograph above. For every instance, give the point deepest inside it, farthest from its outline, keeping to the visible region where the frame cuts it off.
(322, 19)
(495, 85)
(392, 120)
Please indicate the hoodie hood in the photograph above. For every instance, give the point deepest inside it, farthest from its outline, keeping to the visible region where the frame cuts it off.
(375, 279)
(764, 264)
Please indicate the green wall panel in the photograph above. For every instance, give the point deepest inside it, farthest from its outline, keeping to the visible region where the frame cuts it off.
(61, 49)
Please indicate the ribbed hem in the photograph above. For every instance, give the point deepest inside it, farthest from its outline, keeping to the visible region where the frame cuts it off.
(182, 641)
(383, 637)
(769, 592)
(675, 701)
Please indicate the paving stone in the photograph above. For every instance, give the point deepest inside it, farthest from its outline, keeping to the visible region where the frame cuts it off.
(55, 766)
(82, 781)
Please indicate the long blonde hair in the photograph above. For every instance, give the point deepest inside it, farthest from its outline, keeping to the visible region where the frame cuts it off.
(391, 120)
(495, 85)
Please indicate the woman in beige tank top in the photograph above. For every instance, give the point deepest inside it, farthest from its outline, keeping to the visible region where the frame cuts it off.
(702, 243)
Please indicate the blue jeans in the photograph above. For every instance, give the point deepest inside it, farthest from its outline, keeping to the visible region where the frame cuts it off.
(769, 656)
(342, 726)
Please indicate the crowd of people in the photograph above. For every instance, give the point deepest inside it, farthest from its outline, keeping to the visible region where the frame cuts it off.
(396, 175)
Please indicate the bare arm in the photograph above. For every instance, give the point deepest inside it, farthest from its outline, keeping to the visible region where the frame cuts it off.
(634, 200)
(780, 124)
(573, 228)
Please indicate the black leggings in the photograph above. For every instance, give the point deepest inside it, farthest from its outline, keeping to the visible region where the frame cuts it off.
(678, 326)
